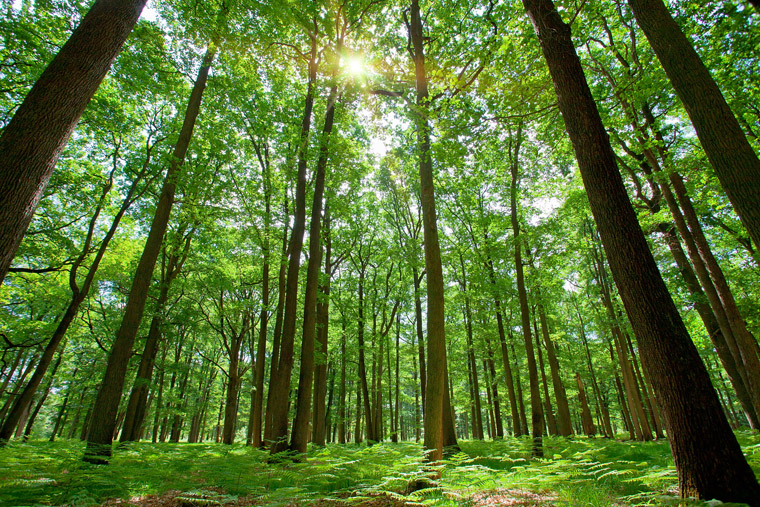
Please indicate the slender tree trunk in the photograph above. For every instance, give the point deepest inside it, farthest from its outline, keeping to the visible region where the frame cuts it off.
(522, 420)
(708, 458)
(711, 325)
(319, 423)
(436, 342)
(78, 295)
(491, 426)
(517, 428)
(280, 385)
(551, 422)
(36, 135)
(564, 426)
(45, 392)
(261, 347)
(586, 421)
(107, 401)
(300, 434)
(420, 334)
(495, 390)
(342, 422)
(606, 426)
(537, 413)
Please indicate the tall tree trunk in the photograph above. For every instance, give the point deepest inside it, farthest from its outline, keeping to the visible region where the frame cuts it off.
(564, 426)
(319, 423)
(711, 325)
(43, 397)
(277, 338)
(420, 334)
(477, 420)
(436, 340)
(78, 295)
(606, 426)
(494, 389)
(551, 422)
(261, 348)
(107, 401)
(586, 421)
(138, 397)
(342, 421)
(280, 384)
(708, 458)
(522, 419)
(36, 135)
(362, 366)
(735, 161)
(300, 434)
(537, 412)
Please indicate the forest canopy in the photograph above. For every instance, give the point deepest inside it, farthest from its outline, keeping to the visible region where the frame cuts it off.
(301, 223)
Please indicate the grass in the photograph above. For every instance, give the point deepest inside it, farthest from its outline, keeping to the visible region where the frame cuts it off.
(576, 472)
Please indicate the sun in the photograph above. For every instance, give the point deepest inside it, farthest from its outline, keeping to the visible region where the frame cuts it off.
(355, 66)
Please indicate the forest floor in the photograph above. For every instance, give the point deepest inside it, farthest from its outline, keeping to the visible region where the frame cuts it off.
(574, 472)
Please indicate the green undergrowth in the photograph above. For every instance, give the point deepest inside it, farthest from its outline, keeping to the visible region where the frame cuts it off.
(578, 471)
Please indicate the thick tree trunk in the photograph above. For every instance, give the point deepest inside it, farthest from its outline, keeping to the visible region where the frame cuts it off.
(36, 135)
(277, 338)
(107, 402)
(735, 161)
(708, 458)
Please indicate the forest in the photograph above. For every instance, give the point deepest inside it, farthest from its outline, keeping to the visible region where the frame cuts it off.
(379, 252)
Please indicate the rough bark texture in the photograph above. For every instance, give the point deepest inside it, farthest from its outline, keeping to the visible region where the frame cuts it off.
(37, 133)
(736, 163)
(708, 458)
(107, 401)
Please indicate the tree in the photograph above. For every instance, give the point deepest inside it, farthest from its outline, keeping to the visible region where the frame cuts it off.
(708, 459)
(57, 101)
(735, 162)
(107, 402)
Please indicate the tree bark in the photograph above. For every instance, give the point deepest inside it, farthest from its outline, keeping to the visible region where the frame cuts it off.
(36, 135)
(708, 458)
(536, 410)
(319, 423)
(735, 161)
